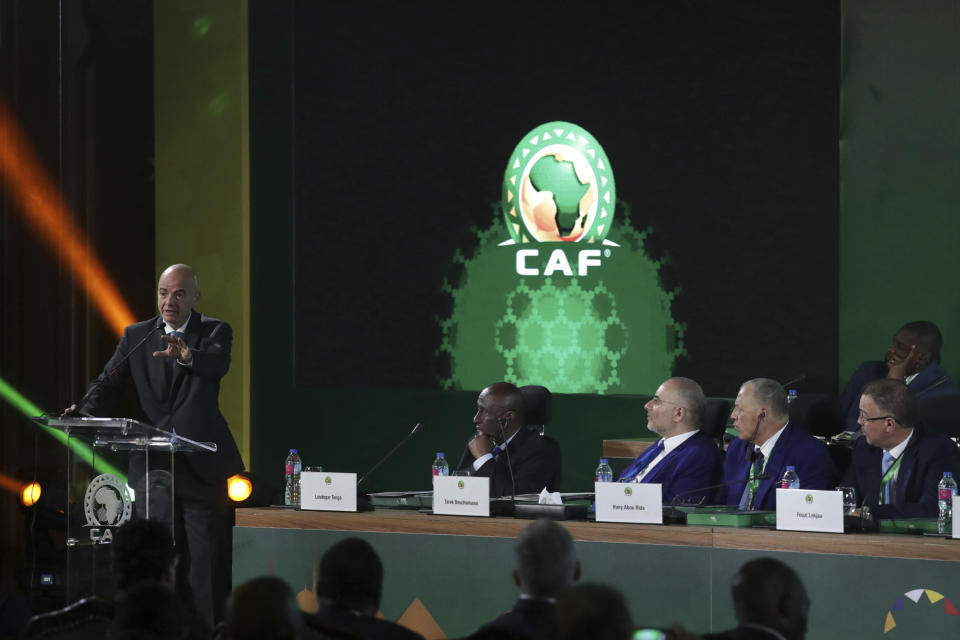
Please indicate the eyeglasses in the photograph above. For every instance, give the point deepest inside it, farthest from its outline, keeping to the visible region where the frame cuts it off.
(864, 418)
(656, 401)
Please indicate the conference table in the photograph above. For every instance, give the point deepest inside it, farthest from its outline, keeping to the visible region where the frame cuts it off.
(447, 575)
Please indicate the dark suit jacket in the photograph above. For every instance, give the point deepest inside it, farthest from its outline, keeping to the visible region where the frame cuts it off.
(914, 493)
(741, 633)
(535, 460)
(530, 618)
(365, 627)
(932, 382)
(696, 463)
(174, 397)
(794, 447)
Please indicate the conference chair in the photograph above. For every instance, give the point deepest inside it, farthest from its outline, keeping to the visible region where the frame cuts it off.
(537, 400)
(821, 415)
(715, 416)
(942, 415)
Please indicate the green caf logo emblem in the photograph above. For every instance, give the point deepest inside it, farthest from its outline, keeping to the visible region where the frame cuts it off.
(327, 480)
(627, 491)
(809, 499)
(558, 187)
(459, 484)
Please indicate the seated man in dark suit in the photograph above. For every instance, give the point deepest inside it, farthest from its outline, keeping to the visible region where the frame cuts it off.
(544, 564)
(914, 357)
(348, 593)
(896, 466)
(683, 460)
(766, 443)
(769, 601)
(502, 438)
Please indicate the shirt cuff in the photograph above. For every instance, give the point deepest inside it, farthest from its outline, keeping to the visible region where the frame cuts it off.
(482, 460)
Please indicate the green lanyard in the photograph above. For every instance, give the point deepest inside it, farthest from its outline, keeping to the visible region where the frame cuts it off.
(888, 478)
(754, 483)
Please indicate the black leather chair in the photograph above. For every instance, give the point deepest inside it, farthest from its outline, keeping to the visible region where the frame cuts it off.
(715, 416)
(537, 401)
(942, 415)
(90, 618)
(820, 414)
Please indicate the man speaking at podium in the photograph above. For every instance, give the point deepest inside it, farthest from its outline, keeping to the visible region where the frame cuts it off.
(502, 441)
(176, 361)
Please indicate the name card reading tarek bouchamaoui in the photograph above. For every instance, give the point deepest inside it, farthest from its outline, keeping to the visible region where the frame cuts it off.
(628, 502)
(461, 496)
(324, 491)
(808, 510)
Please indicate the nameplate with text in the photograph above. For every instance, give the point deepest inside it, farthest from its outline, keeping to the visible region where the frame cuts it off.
(629, 502)
(956, 517)
(325, 491)
(461, 496)
(809, 510)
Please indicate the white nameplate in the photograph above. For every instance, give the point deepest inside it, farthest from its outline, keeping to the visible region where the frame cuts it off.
(809, 510)
(461, 496)
(956, 517)
(629, 502)
(325, 491)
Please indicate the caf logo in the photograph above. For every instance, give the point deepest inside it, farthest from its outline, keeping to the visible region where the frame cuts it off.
(107, 502)
(627, 491)
(459, 484)
(328, 480)
(558, 187)
(809, 499)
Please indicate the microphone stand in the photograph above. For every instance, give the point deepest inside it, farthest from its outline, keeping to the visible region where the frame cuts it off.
(513, 483)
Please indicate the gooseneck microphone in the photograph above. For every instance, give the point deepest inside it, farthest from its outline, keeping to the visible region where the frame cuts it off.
(506, 449)
(677, 502)
(417, 428)
(100, 380)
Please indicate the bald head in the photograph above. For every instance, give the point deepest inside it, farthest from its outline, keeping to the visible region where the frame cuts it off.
(178, 290)
(769, 593)
(675, 408)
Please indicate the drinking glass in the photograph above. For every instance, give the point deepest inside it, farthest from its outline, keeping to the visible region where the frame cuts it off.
(849, 499)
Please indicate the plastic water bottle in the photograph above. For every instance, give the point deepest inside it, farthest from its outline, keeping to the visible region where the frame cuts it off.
(790, 479)
(945, 492)
(440, 466)
(604, 472)
(291, 491)
(791, 396)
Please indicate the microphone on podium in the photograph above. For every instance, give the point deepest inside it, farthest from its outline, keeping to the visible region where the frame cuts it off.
(417, 428)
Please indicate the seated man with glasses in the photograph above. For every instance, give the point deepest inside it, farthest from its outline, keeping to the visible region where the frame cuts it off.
(766, 444)
(684, 461)
(896, 466)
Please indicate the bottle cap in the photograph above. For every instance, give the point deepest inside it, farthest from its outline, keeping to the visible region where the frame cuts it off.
(603, 461)
(790, 467)
(293, 450)
(793, 392)
(948, 474)
(441, 454)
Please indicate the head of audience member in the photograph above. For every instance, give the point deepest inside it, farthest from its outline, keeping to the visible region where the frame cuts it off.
(769, 593)
(178, 290)
(888, 412)
(351, 577)
(264, 608)
(143, 550)
(150, 611)
(590, 611)
(923, 338)
(675, 408)
(545, 560)
(500, 411)
(760, 410)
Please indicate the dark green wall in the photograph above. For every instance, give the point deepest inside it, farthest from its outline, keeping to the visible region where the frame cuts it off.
(899, 175)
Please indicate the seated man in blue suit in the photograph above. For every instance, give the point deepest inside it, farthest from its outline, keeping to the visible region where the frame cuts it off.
(766, 443)
(683, 461)
(896, 467)
(914, 357)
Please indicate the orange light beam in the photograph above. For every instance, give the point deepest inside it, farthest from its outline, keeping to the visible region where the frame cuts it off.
(11, 484)
(38, 200)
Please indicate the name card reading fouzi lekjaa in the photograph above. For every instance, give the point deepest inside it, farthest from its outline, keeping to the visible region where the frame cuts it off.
(628, 502)
(808, 510)
(324, 491)
(461, 496)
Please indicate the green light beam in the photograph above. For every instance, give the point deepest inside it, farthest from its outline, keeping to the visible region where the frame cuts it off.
(80, 450)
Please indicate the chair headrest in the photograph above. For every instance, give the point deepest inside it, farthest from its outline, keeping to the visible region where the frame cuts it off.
(941, 414)
(716, 413)
(537, 402)
(819, 414)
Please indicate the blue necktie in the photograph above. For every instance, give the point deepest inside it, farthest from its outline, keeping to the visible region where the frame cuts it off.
(497, 450)
(641, 463)
(884, 467)
(746, 500)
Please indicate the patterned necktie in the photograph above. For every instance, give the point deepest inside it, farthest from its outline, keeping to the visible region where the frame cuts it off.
(497, 450)
(884, 467)
(750, 491)
(641, 464)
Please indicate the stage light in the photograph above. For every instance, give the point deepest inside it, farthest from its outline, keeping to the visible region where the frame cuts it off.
(239, 487)
(30, 494)
(80, 450)
(38, 200)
